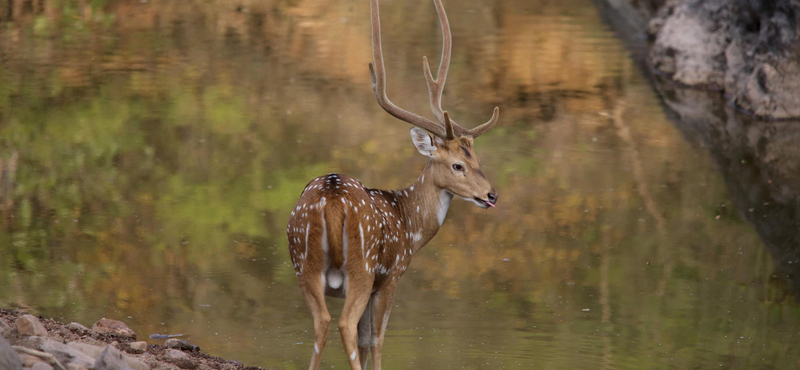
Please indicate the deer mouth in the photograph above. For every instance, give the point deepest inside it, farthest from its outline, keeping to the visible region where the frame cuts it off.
(484, 203)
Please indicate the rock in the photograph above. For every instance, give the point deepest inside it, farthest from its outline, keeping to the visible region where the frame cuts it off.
(4, 327)
(744, 48)
(9, 359)
(66, 354)
(180, 344)
(75, 367)
(139, 346)
(175, 354)
(31, 342)
(74, 326)
(87, 349)
(109, 326)
(41, 366)
(29, 360)
(111, 357)
(180, 359)
(30, 325)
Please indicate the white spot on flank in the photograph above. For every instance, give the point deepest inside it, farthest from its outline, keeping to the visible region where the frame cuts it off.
(361, 232)
(306, 253)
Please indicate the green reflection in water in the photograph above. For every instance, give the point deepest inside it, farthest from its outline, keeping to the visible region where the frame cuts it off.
(152, 152)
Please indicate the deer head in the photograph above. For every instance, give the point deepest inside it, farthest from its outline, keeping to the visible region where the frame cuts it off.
(456, 166)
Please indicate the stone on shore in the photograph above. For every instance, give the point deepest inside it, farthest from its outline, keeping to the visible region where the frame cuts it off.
(87, 349)
(110, 356)
(29, 360)
(109, 326)
(180, 359)
(74, 326)
(112, 359)
(175, 354)
(66, 354)
(9, 359)
(139, 346)
(4, 327)
(41, 366)
(30, 325)
(180, 344)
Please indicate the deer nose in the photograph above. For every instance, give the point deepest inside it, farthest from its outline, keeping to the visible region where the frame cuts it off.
(492, 196)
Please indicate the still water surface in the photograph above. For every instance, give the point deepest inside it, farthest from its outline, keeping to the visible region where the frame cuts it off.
(152, 152)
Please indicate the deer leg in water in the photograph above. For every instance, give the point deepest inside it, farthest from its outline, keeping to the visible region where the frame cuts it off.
(315, 298)
(365, 335)
(354, 305)
(381, 304)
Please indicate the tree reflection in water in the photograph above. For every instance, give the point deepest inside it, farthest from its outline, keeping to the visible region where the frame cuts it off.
(161, 145)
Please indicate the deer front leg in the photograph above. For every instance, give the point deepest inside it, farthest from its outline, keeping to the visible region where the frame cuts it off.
(381, 305)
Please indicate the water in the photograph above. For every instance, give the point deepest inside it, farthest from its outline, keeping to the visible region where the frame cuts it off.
(152, 152)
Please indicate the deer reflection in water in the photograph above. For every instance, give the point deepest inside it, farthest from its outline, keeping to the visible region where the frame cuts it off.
(352, 242)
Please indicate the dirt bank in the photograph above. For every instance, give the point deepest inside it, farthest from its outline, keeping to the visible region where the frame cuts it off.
(77, 347)
(748, 49)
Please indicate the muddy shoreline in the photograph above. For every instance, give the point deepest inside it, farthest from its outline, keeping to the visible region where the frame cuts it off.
(92, 340)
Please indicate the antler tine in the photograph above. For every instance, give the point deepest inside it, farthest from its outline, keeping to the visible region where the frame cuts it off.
(480, 130)
(436, 86)
(448, 126)
(378, 78)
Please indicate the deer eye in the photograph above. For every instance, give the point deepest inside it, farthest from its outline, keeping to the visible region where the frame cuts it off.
(458, 167)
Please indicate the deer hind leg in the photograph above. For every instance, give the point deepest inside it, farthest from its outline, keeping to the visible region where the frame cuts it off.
(358, 282)
(354, 305)
(381, 305)
(311, 265)
(365, 334)
(315, 298)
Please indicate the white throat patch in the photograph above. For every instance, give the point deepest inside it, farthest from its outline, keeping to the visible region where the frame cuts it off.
(444, 203)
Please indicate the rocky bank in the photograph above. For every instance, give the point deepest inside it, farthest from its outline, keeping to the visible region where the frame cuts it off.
(748, 49)
(30, 342)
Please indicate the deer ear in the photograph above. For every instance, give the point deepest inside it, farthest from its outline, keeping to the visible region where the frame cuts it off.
(423, 142)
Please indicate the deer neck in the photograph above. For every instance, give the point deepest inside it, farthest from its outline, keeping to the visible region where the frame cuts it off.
(425, 208)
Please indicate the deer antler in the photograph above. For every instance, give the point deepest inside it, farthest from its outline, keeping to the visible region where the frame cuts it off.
(447, 129)
(378, 76)
(436, 86)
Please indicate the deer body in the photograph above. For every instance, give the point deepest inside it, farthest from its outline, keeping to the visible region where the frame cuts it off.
(359, 233)
(352, 242)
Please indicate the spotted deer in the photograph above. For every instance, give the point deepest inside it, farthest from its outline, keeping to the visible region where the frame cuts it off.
(353, 242)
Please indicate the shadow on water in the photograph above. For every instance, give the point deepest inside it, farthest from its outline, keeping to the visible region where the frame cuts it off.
(760, 162)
